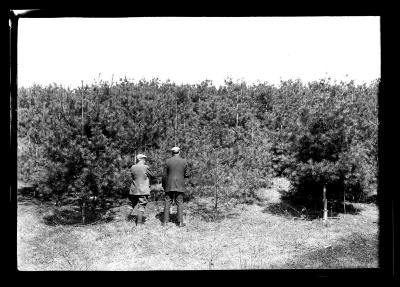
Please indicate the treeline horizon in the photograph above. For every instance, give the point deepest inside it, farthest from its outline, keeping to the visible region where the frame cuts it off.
(226, 82)
(236, 137)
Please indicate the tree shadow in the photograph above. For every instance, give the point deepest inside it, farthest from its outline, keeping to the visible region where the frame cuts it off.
(354, 249)
(72, 215)
(30, 194)
(173, 217)
(67, 209)
(296, 210)
(282, 209)
(207, 213)
(63, 217)
(336, 207)
(133, 217)
(26, 191)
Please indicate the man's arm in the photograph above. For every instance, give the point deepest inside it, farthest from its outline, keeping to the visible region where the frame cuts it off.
(149, 173)
(164, 177)
(186, 171)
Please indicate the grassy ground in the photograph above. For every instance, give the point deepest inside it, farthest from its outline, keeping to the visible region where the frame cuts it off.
(249, 237)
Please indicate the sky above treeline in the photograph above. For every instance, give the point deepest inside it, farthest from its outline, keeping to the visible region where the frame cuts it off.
(189, 50)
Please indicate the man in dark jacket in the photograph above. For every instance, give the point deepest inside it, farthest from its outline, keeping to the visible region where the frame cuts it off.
(140, 187)
(176, 169)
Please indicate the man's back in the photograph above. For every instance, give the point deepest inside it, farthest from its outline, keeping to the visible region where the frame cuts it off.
(176, 171)
(140, 184)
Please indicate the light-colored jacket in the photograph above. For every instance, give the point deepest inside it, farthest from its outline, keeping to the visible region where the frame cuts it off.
(140, 179)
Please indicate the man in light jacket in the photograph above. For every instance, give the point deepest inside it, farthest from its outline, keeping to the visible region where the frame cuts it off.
(140, 187)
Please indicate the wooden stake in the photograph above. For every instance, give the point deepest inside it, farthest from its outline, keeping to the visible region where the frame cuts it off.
(84, 212)
(252, 131)
(35, 194)
(216, 190)
(237, 110)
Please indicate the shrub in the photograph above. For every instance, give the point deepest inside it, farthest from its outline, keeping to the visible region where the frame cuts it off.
(330, 148)
(85, 139)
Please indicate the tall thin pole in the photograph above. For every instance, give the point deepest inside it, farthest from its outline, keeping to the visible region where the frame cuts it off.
(82, 107)
(43, 107)
(237, 109)
(84, 198)
(176, 119)
(325, 217)
(252, 131)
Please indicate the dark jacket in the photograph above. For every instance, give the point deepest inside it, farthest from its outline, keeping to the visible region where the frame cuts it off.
(176, 169)
(140, 179)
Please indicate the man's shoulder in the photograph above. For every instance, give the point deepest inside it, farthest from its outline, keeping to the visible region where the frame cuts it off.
(139, 166)
(181, 160)
(175, 159)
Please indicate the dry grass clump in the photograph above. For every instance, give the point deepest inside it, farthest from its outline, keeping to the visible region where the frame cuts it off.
(243, 238)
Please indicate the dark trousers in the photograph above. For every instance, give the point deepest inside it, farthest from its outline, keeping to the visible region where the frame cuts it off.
(139, 200)
(178, 198)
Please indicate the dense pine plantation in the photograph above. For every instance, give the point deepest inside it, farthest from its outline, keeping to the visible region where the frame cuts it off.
(79, 143)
